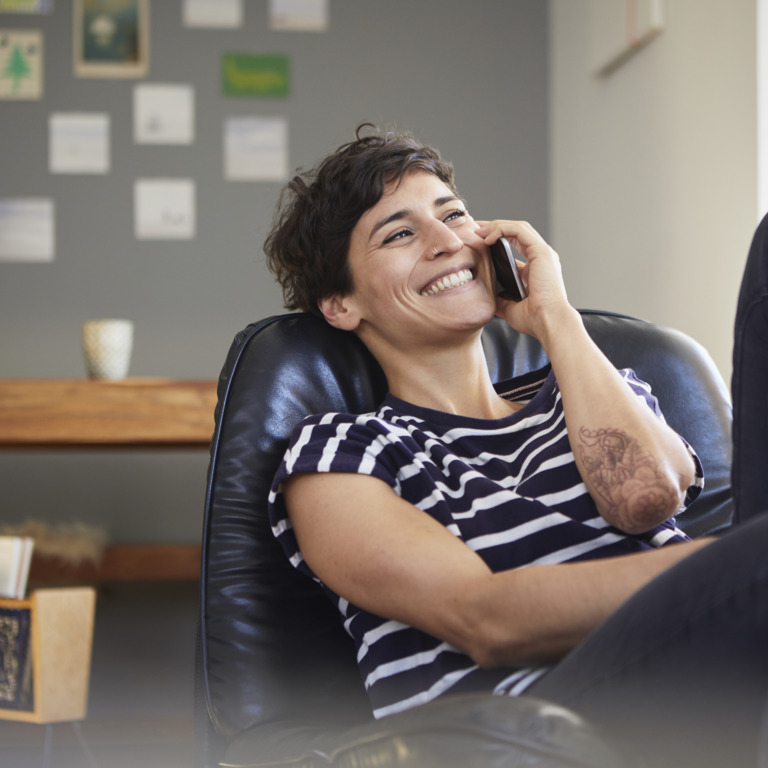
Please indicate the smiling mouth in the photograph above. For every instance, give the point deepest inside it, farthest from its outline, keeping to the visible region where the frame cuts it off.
(447, 282)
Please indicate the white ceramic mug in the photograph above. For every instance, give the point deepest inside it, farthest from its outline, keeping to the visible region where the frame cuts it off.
(107, 345)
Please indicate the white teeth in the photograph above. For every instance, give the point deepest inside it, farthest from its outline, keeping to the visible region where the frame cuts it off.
(449, 281)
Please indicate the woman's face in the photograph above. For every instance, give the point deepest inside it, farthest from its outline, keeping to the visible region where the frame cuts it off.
(419, 271)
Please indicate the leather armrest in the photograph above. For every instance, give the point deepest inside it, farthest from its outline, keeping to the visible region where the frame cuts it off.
(478, 730)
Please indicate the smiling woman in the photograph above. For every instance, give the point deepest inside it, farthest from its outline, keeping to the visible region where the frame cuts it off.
(419, 272)
(474, 534)
(324, 205)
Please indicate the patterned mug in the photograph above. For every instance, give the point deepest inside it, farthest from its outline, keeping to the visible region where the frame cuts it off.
(107, 345)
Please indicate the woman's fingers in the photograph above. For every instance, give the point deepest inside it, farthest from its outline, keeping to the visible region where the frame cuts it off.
(520, 234)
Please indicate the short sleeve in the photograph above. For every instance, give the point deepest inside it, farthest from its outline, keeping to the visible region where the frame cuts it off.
(334, 442)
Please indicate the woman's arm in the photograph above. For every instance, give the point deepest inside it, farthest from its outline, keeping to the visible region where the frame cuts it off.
(388, 557)
(635, 467)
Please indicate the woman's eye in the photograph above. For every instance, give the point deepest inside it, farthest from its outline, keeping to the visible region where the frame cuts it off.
(454, 215)
(397, 236)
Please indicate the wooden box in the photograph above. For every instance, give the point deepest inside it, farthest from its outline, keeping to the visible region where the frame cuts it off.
(58, 637)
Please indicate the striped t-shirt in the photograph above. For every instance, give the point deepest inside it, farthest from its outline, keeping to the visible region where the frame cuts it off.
(509, 488)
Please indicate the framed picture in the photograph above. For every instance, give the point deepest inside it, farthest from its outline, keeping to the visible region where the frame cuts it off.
(26, 6)
(618, 30)
(111, 38)
(21, 64)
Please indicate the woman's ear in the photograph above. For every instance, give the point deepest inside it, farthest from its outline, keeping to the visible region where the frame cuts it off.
(339, 312)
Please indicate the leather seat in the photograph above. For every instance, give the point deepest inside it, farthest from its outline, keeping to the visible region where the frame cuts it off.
(277, 682)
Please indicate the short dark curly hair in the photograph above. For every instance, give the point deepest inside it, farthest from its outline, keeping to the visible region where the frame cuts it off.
(308, 244)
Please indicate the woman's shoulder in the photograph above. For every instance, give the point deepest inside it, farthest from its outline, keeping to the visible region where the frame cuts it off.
(340, 418)
(337, 425)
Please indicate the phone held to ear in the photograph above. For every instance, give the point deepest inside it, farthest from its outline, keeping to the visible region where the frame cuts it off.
(508, 278)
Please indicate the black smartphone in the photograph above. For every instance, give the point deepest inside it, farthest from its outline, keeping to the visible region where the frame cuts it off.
(508, 278)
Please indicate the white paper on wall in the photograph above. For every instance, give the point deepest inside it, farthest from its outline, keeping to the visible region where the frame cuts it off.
(163, 114)
(78, 142)
(298, 15)
(164, 209)
(256, 148)
(27, 229)
(217, 14)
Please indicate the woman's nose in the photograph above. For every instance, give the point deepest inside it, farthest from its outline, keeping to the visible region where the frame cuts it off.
(444, 243)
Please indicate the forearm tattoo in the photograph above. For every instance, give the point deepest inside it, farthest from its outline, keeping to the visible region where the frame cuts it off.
(625, 476)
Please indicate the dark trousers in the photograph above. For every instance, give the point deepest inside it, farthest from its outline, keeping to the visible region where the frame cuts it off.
(749, 384)
(679, 674)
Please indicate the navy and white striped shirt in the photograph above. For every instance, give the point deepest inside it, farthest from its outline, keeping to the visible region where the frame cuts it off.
(509, 488)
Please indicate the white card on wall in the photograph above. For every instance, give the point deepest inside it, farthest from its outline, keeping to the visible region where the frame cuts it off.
(163, 114)
(298, 15)
(256, 148)
(27, 229)
(215, 14)
(164, 209)
(78, 142)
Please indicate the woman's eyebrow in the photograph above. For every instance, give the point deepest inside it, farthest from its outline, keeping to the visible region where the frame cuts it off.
(388, 220)
(397, 215)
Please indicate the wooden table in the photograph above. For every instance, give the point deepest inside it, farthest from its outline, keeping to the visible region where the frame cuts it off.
(131, 413)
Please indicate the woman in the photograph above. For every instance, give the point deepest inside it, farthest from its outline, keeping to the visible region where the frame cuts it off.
(472, 536)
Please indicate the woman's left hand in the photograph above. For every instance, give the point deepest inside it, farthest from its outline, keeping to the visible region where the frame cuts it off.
(547, 300)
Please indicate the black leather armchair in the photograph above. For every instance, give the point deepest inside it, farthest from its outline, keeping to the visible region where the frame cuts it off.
(277, 683)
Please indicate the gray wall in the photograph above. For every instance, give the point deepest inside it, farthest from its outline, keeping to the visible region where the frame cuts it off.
(470, 78)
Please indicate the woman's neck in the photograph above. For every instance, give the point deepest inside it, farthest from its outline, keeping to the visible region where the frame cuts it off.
(450, 379)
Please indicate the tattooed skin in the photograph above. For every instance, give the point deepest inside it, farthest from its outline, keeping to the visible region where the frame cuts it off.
(625, 476)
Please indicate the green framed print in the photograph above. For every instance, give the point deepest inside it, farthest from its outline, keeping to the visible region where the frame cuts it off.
(111, 38)
(246, 74)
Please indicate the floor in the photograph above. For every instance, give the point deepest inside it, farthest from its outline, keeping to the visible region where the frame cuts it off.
(141, 690)
(125, 743)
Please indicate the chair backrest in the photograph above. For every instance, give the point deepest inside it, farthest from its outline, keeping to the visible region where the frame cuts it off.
(272, 648)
